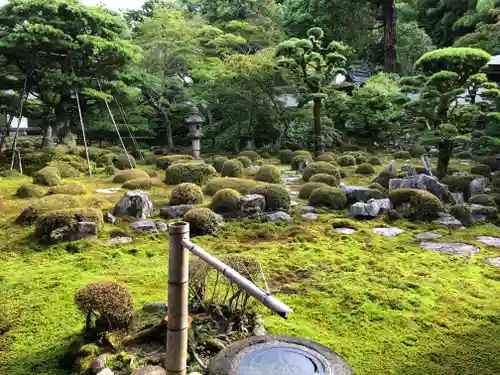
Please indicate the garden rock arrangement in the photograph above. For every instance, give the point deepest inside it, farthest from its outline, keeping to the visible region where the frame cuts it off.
(460, 249)
(134, 204)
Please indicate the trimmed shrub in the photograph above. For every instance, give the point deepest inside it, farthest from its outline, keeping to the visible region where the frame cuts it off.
(307, 189)
(109, 170)
(243, 186)
(163, 162)
(328, 197)
(152, 173)
(245, 161)
(490, 161)
(459, 184)
(483, 200)
(186, 193)
(71, 188)
(329, 158)
(320, 167)
(349, 147)
(30, 191)
(402, 155)
(360, 159)
(94, 153)
(53, 220)
(110, 302)
(419, 204)
(374, 161)
(106, 159)
(365, 169)
(232, 168)
(277, 197)
(202, 221)
(286, 156)
(48, 176)
(122, 162)
(302, 152)
(325, 178)
(252, 155)
(131, 174)
(138, 183)
(377, 186)
(76, 162)
(47, 204)
(481, 169)
(269, 173)
(346, 160)
(65, 169)
(417, 151)
(194, 172)
(464, 155)
(299, 159)
(218, 162)
(226, 202)
(383, 178)
(463, 213)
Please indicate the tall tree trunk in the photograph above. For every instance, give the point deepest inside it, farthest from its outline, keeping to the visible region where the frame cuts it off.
(317, 126)
(48, 142)
(445, 150)
(237, 138)
(62, 118)
(281, 137)
(168, 128)
(389, 16)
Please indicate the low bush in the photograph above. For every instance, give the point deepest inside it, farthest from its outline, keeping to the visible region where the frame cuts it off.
(70, 188)
(202, 221)
(298, 160)
(218, 162)
(327, 157)
(417, 151)
(377, 186)
(402, 155)
(226, 202)
(276, 196)
(286, 156)
(152, 173)
(346, 160)
(320, 167)
(245, 161)
(123, 162)
(243, 186)
(374, 161)
(325, 178)
(459, 184)
(109, 170)
(329, 197)
(383, 178)
(48, 176)
(481, 169)
(30, 191)
(416, 204)
(163, 162)
(302, 152)
(268, 173)
(47, 204)
(483, 200)
(365, 169)
(48, 222)
(252, 155)
(194, 172)
(106, 159)
(232, 168)
(464, 155)
(130, 174)
(307, 189)
(186, 193)
(138, 183)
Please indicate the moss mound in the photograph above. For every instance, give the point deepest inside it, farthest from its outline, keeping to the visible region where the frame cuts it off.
(374, 161)
(300, 159)
(48, 176)
(232, 168)
(106, 159)
(71, 188)
(328, 158)
(152, 173)
(47, 204)
(307, 189)
(416, 204)
(276, 196)
(243, 186)
(202, 221)
(464, 155)
(218, 162)
(94, 153)
(377, 186)
(302, 152)
(269, 173)
(109, 170)
(53, 220)
(138, 183)
(252, 155)
(383, 179)
(163, 162)
(483, 200)
(417, 151)
(226, 202)
(320, 167)
(66, 170)
(481, 169)
(196, 173)
(245, 161)
(186, 193)
(459, 184)
(463, 213)
(402, 155)
(360, 159)
(123, 163)
(130, 174)
(325, 178)
(346, 160)
(286, 156)
(30, 191)
(328, 197)
(365, 169)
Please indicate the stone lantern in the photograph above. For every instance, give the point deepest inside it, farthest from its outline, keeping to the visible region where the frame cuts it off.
(194, 121)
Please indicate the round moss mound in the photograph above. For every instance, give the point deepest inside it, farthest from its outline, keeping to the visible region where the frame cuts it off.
(365, 169)
(47, 204)
(53, 220)
(377, 186)
(463, 213)
(252, 155)
(218, 162)
(374, 161)
(138, 183)
(152, 173)
(286, 156)
(163, 162)
(48, 176)
(71, 188)
(416, 204)
(241, 185)
(109, 170)
(186, 193)
(232, 168)
(383, 179)
(226, 202)
(329, 197)
(276, 196)
(106, 159)
(66, 170)
(325, 178)
(459, 184)
(483, 200)
(298, 160)
(328, 158)
(464, 155)
(402, 155)
(481, 169)
(123, 162)
(202, 221)
(302, 152)
(268, 173)
(130, 174)
(307, 189)
(196, 173)
(30, 191)
(417, 151)
(245, 161)
(346, 160)
(320, 167)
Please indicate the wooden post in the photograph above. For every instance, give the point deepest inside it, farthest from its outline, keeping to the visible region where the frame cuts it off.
(178, 274)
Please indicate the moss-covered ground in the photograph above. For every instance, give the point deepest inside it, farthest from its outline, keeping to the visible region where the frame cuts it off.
(386, 305)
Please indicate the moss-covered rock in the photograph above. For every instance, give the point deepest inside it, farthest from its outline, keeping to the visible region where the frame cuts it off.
(383, 178)
(226, 202)
(307, 189)
(123, 162)
(276, 196)
(416, 204)
(298, 160)
(377, 186)
(481, 169)
(218, 162)
(70, 188)
(202, 221)
(194, 172)
(30, 191)
(48, 176)
(329, 197)
(483, 200)
(402, 155)
(328, 158)
(66, 170)
(320, 167)
(463, 213)
(286, 156)
(417, 151)
(130, 174)
(138, 183)
(365, 169)
(163, 162)
(47, 204)
(459, 183)
(245, 161)
(232, 168)
(374, 161)
(268, 173)
(53, 220)
(325, 178)
(346, 160)
(186, 193)
(106, 159)
(242, 185)
(252, 155)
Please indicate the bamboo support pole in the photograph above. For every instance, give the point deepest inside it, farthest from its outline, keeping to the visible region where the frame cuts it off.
(178, 274)
(24, 96)
(134, 141)
(19, 161)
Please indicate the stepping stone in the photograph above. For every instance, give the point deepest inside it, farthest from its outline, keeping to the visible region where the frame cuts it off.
(490, 241)
(448, 220)
(310, 216)
(118, 241)
(307, 209)
(344, 230)
(291, 180)
(454, 248)
(388, 232)
(493, 261)
(427, 236)
(107, 191)
(294, 193)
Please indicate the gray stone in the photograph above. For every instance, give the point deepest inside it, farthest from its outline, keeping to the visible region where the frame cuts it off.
(427, 164)
(427, 236)
(448, 220)
(135, 204)
(87, 228)
(482, 213)
(278, 216)
(432, 185)
(106, 371)
(155, 307)
(388, 232)
(294, 204)
(310, 216)
(252, 205)
(98, 363)
(454, 248)
(144, 226)
(457, 198)
(109, 218)
(306, 209)
(490, 241)
(344, 230)
(357, 193)
(391, 167)
(478, 185)
(258, 329)
(108, 191)
(372, 209)
(291, 180)
(161, 226)
(302, 166)
(118, 241)
(493, 261)
(433, 152)
(150, 370)
(82, 229)
(400, 183)
(175, 212)
(408, 170)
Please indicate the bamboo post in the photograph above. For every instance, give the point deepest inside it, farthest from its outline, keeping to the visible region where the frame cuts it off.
(20, 162)
(178, 274)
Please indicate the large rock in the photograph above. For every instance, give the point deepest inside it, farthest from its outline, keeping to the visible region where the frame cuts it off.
(278, 216)
(144, 226)
(433, 152)
(155, 307)
(252, 205)
(135, 204)
(357, 193)
(83, 229)
(448, 220)
(391, 167)
(98, 363)
(372, 209)
(310, 216)
(150, 370)
(118, 241)
(109, 218)
(161, 226)
(401, 183)
(454, 248)
(175, 212)
(478, 185)
(482, 213)
(422, 182)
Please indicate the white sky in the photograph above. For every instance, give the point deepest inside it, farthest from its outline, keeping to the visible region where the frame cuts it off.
(112, 4)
